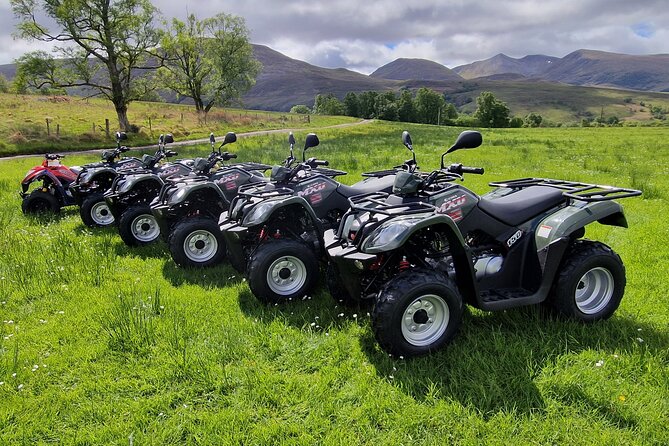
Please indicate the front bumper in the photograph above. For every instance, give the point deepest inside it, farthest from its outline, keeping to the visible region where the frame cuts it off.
(350, 263)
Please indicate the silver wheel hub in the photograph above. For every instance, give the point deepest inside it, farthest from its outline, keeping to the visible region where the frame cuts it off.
(286, 275)
(145, 228)
(594, 290)
(101, 214)
(425, 320)
(200, 245)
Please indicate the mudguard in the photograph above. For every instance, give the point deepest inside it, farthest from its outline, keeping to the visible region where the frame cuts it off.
(399, 230)
(39, 177)
(273, 205)
(131, 181)
(186, 190)
(575, 216)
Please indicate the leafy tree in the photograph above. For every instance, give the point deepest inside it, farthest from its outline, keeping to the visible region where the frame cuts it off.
(406, 109)
(210, 61)
(4, 84)
(367, 101)
(300, 109)
(450, 112)
(105, 43)
(385, 107)
(516, 122)
(533, 120)
(352, 104)
(491, 112)
(328, 104)
(429, 106)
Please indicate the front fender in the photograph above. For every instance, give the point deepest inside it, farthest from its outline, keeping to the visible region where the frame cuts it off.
(575, 216)
(186, 191)
(25, 184)
(271, 206)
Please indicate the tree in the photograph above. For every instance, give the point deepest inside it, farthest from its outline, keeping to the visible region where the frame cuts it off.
(533, 120)
(300, 109)
(367, 101)
(385, 106)
(429, 106)
(105, 43)
(328, 104)
(352, 104)
(491, 112)
(406, 109)
(450, 112)
(4, 84)
(210, 61)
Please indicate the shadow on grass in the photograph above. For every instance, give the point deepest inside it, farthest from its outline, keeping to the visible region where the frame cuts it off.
(492, 363)
(218, 276)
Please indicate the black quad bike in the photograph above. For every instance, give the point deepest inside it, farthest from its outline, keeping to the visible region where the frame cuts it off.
(433, 245)
(45, 188)
(274, 233)
(188, 208)
(132, 191)
(95, 178)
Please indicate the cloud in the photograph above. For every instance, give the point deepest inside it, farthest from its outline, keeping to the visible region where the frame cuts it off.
(365, 35)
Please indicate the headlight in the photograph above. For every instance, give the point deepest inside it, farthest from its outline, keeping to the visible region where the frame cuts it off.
(258, 212)
(178, 196)
(390, 231)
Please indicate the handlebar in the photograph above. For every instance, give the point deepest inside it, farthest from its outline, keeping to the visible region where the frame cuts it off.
(169, 153)
(460, 169)
(316, 163)
(53, 156)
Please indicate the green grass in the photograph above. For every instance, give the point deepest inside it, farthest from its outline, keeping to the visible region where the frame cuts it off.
(112, 345)
(81, 123)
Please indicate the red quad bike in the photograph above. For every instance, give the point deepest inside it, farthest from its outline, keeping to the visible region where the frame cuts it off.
(433, 245)
(52, 181)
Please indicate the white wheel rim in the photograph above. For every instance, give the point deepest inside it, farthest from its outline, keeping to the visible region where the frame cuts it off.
(200, 246)
(101, 214)
(286, 275)
(594, 290)
(425, 320)
(145, 228)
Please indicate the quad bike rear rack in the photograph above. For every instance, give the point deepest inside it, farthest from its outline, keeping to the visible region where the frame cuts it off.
(572, 189)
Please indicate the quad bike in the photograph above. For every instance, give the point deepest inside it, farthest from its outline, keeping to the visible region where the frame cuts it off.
(131, 192)
(274, 233)
(188, 208)
(51, 180)
(95, 178)
(433, 245)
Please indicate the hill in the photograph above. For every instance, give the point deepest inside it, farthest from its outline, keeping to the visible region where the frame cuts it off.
(416, 69)
(528, 66)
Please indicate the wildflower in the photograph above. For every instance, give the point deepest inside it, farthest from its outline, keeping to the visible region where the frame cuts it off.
(599, 363)
(621, 398)
(341, 314)
(639, 340)
(313, 324)
(20, 387)
(355, 316)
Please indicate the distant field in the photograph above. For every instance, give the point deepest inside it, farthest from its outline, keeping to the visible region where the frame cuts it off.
(76, 123)
(103, 344)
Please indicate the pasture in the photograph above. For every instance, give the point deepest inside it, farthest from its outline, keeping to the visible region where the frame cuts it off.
(104, 344)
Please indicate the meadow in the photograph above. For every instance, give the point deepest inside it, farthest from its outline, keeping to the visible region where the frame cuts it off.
(104, 344)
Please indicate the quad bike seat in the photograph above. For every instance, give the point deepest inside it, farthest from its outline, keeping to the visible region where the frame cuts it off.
(518, 207)
(368, 185)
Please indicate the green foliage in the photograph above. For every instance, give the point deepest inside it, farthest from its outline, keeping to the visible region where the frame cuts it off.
(406, 108)
(491, 112)
(516, 122)
(5, 85)
(367, 101)
(102, 44)
(532, 120)
(209, 61)
(429, 106)
(328, 104)
(300, 109)
(352, 104)
(385, 107)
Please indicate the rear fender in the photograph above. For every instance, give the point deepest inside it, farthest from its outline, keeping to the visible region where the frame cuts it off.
(204, 196)
(577, 215)
(274, 206)
(43, 175)
(144, 181)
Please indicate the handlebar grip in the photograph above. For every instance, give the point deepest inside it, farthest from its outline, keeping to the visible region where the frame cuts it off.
(322, 163)
(232, 155)
(171, 153)
(474, 170)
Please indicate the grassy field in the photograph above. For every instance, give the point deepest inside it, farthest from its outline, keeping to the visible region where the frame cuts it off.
(76, 123)
(103, 344)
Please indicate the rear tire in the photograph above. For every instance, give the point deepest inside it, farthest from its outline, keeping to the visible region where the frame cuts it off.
(590, 284)
(40, 202)
(197, 242)
(417, 312)
(137, 226)
(95, 212)
(280, 270)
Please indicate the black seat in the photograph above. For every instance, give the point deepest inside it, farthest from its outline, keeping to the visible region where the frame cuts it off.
(518, 207)
(368, 185)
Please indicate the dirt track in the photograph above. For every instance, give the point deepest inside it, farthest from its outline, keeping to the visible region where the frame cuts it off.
(204, 140)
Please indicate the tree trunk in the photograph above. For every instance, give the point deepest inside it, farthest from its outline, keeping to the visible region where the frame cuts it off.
(123, 122)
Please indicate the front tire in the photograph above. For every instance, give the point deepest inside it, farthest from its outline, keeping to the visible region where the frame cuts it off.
(280, 270)
(40, 202)
(417, 313)
(95, 212)
(137, 226)
(590, 284)
(197, 242)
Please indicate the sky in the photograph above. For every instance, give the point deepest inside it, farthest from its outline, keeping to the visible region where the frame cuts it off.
(364, 35)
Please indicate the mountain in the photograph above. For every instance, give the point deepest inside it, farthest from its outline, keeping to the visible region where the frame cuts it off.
(528, 66)
(588, 67)
(582, 67)
(284, 82)
(415, 69)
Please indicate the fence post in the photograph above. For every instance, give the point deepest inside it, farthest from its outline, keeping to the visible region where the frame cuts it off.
(182, 118)
(150, 129)
(57, 129)
(48, 129)
(93, 127)
(107, 127)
